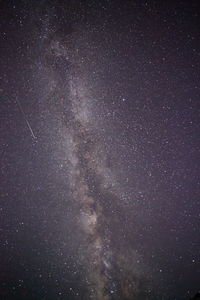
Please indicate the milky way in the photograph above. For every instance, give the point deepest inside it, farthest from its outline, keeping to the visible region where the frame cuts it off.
(108, 263)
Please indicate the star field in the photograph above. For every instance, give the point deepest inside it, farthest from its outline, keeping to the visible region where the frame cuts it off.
(99, 150)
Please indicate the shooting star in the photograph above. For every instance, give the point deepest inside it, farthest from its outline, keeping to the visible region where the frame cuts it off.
(26, 120)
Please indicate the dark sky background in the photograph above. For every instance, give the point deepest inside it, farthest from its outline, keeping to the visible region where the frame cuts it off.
(100, 132)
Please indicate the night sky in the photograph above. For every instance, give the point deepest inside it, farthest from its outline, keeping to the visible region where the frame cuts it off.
(100, 150)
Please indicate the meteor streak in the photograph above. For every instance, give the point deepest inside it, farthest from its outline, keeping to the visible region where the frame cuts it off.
(25, 118)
